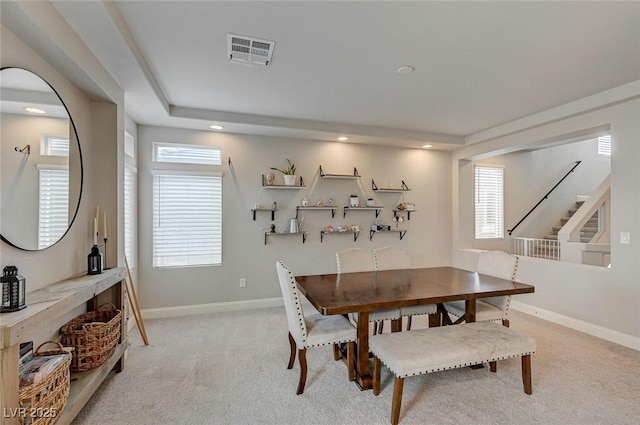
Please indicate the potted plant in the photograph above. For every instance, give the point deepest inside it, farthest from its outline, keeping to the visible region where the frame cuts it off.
(289, 173)
(354, 200)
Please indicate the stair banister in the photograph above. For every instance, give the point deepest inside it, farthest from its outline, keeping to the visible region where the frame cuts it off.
(510, 231)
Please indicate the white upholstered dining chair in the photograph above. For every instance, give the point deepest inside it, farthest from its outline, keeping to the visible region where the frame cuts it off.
(394, 258)
(353, 260)
(312, 330)
(495, 309)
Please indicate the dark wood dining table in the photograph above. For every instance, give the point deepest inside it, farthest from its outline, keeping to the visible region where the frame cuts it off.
(365, 292)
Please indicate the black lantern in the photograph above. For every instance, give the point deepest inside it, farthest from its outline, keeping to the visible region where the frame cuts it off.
(13, 290)
(95, 263)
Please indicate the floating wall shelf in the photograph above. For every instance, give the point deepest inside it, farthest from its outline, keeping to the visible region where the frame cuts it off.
(355, 175)
(273, 212)
(396, 211)
(403, 188)
(348, 232)
(267, 234)
(401, 232)
(311, 208)
(374, 208)
(282, 186)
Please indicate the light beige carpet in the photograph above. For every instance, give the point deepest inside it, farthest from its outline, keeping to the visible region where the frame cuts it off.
(230, 368)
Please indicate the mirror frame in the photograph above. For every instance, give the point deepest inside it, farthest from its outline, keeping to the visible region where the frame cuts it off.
(75, 131)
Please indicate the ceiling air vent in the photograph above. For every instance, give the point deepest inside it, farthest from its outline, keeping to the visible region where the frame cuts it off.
(249, 50)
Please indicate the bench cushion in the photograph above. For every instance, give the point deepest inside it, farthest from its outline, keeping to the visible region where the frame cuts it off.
(448, 347)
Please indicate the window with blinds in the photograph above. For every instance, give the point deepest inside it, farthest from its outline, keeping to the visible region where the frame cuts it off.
(489, 202)
(53, 207)
(604, 145)
(186, 154)
(187, 219)
(52, 145)
(130, 208)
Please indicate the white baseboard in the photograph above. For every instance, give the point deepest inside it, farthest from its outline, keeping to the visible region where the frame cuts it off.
(187, 310)
(579, 325)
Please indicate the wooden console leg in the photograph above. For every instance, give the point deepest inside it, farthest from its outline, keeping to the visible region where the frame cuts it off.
(397, 400)
(526, 374)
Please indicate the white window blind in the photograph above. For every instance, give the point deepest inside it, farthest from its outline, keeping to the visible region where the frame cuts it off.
(489, 202)
(53, 217)
(130, 208)
(187, 154)
(604, 145)
(53, 145)
(187, 219)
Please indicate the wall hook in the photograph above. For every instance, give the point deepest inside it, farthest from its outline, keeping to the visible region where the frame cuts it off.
(26, 149)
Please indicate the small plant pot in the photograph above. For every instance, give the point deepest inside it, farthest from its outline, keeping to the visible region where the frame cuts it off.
(289, 180)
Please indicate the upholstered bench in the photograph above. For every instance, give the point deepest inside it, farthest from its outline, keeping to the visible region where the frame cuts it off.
(447, 347)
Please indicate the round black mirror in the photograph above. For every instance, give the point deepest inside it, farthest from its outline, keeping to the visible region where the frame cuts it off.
(41, 162)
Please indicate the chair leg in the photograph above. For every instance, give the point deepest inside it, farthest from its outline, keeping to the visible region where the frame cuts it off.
(380, 326)
(408, 323)
(376, 375)
(434, 320)
(337, 354)
(302, 356)
(351, 360)
(292, 356)
(526, 374)
(493, 366)
(397, 400)
(505, 322)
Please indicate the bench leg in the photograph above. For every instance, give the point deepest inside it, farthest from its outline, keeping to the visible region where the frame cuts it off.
(526, 374)
(435, 320)
(505, 323)
(493, 366)
(397, 400)
(408, 323)
(376, 375)
(396, 325)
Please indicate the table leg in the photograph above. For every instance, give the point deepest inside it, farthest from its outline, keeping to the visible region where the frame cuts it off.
(364, 380)
(470, 316)
(470, 310)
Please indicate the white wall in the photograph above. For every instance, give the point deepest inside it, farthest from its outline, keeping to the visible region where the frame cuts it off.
(529, 175)
(427, 173)
(602, 298)
(97, 123)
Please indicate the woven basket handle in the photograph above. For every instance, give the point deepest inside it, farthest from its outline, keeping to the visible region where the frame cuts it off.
(60, 346)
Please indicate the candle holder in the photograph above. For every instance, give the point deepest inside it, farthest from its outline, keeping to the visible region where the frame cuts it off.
(104, 256)
(95, 261)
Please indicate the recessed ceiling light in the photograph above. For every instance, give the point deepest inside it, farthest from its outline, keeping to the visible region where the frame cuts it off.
(427, 146)
(35, 110)
(404, 70)
(216, 127)
(343, 138)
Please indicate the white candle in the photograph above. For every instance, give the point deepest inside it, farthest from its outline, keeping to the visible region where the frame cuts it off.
(105, 226)
(95, 231)
(97, 214)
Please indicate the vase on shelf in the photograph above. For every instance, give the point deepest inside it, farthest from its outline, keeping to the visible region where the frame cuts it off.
(289, 179)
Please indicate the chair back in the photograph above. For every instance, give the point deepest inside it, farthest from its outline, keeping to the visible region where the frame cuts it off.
(292, 305)
(392, 258)
(498, 264)
(355, 260)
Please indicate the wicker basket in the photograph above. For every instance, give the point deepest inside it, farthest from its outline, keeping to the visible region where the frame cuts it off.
(43, 401)
(94, 335)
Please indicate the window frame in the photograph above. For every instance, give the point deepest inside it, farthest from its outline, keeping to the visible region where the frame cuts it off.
(498, 231)
(157, 261)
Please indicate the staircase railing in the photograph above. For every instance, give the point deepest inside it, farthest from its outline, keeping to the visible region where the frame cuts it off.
(549, 249)
(510, 231)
